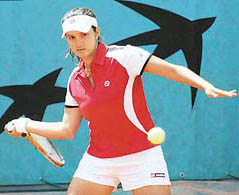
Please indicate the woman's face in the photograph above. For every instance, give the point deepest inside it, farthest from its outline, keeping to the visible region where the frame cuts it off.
(83, 44)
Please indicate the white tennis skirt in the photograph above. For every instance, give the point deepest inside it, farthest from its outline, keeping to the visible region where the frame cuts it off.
(133, 171)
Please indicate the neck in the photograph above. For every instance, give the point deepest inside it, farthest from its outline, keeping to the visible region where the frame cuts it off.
(87, 61)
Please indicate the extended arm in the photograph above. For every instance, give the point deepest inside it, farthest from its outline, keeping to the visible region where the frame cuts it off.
(66, 129)
(184, 75)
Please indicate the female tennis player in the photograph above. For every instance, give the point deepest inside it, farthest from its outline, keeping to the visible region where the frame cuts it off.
(106, 89)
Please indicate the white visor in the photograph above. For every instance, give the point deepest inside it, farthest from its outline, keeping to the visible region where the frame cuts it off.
(81, 23)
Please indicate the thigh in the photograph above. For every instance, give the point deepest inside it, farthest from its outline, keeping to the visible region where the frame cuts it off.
(82, 187)
(153, 190)
(95, 171)
(147, 170)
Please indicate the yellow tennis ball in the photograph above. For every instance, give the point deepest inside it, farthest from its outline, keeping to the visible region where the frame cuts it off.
(156, 135)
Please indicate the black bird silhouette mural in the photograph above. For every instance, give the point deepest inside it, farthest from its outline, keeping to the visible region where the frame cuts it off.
(175, 33)
(32, 100)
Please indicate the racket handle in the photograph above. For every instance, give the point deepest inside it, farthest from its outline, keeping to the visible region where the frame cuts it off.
(24, 134)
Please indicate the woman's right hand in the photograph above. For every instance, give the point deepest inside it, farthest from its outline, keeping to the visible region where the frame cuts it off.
(10, 128)
(213, 92)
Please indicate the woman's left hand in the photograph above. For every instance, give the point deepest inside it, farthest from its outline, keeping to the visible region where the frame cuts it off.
(213, 92)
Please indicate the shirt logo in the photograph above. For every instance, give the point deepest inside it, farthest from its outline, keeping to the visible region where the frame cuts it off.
(157, 175)
(107, 83)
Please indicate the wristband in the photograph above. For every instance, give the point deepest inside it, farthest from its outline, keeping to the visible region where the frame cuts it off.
(21, 125)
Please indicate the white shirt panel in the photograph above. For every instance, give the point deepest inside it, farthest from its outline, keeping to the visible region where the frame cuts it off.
(131, 57)
(69, 100)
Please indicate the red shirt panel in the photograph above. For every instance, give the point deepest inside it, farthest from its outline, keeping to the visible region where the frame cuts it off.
(116, 107)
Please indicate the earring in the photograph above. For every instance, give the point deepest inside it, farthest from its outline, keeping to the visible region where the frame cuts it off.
(97, 42)
(68, 52)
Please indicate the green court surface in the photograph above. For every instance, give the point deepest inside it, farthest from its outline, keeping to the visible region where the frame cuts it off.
(224, 187)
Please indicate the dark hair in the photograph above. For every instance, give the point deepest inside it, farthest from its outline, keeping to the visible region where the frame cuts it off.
(77, 12)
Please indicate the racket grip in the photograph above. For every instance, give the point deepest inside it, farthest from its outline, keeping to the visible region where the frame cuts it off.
(24, 134)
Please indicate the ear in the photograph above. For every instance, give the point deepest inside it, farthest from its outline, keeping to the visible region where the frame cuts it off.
(97, 31)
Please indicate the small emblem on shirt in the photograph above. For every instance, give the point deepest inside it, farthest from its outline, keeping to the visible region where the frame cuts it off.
(157, 175)
(107, 83)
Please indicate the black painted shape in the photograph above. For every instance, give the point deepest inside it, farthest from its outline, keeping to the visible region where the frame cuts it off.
(175, 33)
(32, 100)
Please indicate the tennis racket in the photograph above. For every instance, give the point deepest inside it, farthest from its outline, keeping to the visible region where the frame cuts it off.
(44, 146)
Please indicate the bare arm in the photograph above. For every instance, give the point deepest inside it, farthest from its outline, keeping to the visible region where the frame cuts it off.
(66, 129)
(184, 75)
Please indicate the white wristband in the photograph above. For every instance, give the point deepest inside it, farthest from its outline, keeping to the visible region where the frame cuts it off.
(21, 125)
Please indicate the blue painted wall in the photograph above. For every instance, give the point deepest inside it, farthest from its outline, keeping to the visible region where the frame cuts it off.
(202, 143)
